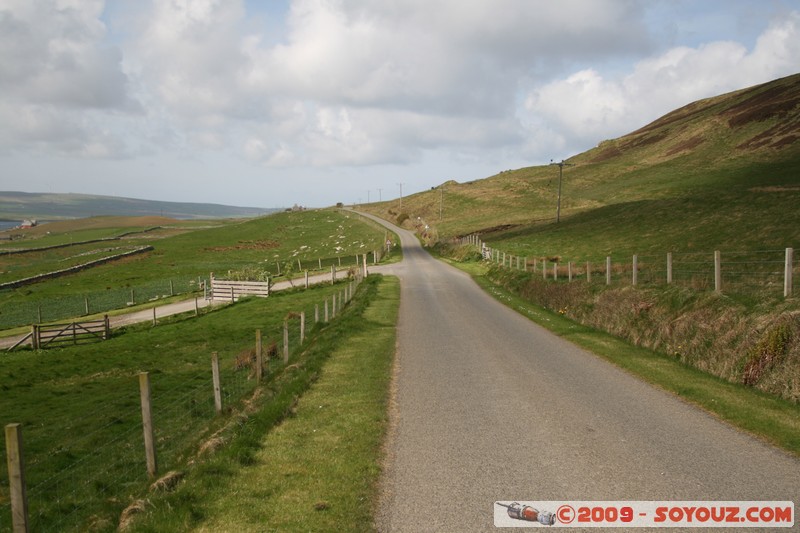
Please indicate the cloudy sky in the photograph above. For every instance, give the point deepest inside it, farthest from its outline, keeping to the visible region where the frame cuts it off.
(271, 103)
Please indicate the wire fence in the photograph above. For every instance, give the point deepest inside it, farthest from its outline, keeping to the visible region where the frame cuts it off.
(99, 465)
(61, 306)
(748, 272)
(295, 265)
(56, 307)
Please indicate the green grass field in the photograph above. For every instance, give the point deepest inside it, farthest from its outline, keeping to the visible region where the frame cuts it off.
(184, 255)
(79, 406)
(317, 470)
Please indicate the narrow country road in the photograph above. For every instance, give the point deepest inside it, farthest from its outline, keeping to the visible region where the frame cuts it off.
(489, 406)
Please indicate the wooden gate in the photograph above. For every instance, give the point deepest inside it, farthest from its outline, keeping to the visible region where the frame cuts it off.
(232, 290)
(72, 333)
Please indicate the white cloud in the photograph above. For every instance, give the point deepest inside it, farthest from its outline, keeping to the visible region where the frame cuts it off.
(360, 83)
(586, 107)
(333, 90)
(56, 74)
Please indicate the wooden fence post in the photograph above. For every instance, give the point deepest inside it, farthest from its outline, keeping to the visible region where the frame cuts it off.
(326, 310)
(196, 307)
(608, 270)
(316, 313)
(525, 263)
(787, 273)
(635, 277)
(555, 271)
(106, 328)
(302, 327)
(16, 478)
(259, 357)
(233, 298)
(669, 268)
(35, 337)
(133, 297)
(147, 425)
(154, 316)
(306, 279)
(217, 385)
(333, 274)
(717, 271)
(333, 306)
(588, 272)
(171, 288)
(285, 341)
(86, 304)
(365, 265)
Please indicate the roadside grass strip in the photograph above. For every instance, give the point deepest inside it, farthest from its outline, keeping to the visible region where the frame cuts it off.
(318, 468)
(772, 419)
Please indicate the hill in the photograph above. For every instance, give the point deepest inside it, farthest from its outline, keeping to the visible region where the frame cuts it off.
(717, 175)
(724, 170)
(47, 206)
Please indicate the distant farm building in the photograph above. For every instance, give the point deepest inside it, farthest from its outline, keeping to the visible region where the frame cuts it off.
(26, 224)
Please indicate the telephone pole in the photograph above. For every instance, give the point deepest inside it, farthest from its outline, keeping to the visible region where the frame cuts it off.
(401, 196)
(561, 166)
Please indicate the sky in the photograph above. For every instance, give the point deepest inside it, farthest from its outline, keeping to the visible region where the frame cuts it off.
(314, 102)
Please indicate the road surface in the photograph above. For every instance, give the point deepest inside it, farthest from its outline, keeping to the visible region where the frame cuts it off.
(489, 406)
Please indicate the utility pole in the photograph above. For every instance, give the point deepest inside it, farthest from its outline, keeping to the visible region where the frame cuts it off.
(561, 166)
(401, 196)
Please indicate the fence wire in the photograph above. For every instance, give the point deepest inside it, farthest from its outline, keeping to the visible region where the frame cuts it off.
(65, 306)
(85, 482)
(750, 272)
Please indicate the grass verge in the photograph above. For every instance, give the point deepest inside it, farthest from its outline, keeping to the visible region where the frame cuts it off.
(318, 469)
(79, 405)
(772, 419)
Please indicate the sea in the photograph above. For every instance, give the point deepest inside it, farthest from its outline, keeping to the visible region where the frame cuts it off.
(8, 224)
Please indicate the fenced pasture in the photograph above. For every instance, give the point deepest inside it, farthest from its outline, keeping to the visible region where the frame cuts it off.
(766, 273)
(17, 267)
(59, 306)
(272, 244)
(81, 416)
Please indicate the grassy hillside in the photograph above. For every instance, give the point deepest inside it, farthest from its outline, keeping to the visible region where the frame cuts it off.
(719, 172)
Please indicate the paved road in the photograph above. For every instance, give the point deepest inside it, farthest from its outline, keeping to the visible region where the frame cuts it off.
(489, 406)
